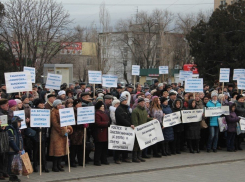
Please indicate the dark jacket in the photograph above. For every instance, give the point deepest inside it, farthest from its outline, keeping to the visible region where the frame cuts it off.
(240, 109)
(15, 139)
(100, 129)
(168, 132)
(232, 120)
(123, 117)
(178, 127)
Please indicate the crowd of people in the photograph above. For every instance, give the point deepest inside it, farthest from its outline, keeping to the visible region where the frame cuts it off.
(130, 107)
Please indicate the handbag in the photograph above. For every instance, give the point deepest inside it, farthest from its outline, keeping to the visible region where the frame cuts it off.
(203, 124)
(27, 167)
(30, 132)
(16, 166)
(222, 124)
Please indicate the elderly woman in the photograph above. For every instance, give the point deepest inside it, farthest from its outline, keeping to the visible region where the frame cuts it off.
(58, 137)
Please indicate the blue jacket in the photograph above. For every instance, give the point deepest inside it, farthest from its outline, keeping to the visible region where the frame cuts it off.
(168, 132)
(213, 120)
(15, 140)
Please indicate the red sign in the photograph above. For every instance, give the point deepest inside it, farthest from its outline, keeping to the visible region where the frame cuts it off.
(74, 48)
(191, 67)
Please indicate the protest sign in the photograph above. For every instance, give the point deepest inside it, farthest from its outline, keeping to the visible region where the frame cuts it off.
(95, 77)
(53, 81)
(224, 75)
(163, 70)
(109, 80)
(21, 114)
(238, 73)
(242, 123)
(217, 111)
(194, 85)
(40, 118)
(18, 82)
(191, 116)
(121, 138)
(4, 119)
(135, 70)
(33, 73)
(85, 115)
(185, 75)
(67, 117)
(241, 83)
(149, 133)
(171, 119)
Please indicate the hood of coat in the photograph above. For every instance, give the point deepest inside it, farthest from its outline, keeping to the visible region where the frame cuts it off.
(111, 108)
(190, 104)
(174, 104)
(127, 94)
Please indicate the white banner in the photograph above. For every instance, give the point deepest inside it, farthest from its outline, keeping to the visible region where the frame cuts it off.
(67, 117)
(121, 138)
(85, 115)
(95, 77)
(109, 80)
(40, 118)
(241, 83)
(33, 73)
(163, 70)
(135, 70)
(242, 123)
(224, 75)
(18, 82)
(21, 114)
(185, 75)
(194, 85)
(217, 111)
(191, 116)
(149, 133)
(238, 73)
(171, 119)
(53, 81)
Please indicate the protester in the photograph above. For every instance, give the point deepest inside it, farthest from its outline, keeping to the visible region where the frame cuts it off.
(112, 109)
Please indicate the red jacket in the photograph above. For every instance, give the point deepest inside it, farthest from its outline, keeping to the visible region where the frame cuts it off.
(100, 130)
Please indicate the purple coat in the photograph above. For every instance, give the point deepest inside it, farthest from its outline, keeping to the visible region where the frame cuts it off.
(231, 121)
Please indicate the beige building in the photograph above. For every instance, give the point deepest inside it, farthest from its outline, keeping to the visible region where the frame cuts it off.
(217, 3)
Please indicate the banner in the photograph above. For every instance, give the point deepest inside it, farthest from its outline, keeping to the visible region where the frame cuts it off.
(185, 75)
(94, 77)
(217, 111)
(53, 81)
(18, 82)
(241, 83)
(224, 75)
(21, 114)
(163, 70)
(149, 133)
(85, 115)
(171, 119)
(194, 85)
(40, 118)
(191, 116)
(109, 80)
(67, 117)
(242, 123)
(238, 73)
(135, 70)
(121, 138)
(33, 73)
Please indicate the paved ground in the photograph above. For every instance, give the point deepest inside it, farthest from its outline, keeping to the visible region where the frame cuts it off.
(221, 166)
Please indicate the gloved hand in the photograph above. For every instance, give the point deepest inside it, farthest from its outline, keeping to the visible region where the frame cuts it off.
(66, 134)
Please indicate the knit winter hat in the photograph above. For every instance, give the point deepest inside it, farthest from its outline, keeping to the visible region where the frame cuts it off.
(37, 101)
(160, 85)
(12, 103)
(214, 93)
(114, 102)
(18, 101)
(99, 99)
(147, 93)
(23, 98)
(141, 100)
(146, 100)
(62, 92)
(123, 98)
(98, 105)
(76, 101)
(57, 102)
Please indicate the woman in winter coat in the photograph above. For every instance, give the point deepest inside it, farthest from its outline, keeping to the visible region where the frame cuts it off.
(168, 132)
(100, 134)
(193, 130)
(231, 121)
(178, 129)
(112, 109)
(58, 137)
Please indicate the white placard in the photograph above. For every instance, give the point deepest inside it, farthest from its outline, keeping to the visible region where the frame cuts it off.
(149, 133)
(18, 82)
(191, 116)
(171, 119)
(21, 114)
(121, 138)
(194, 85)
(217, 111)
(85, 115)
(33, 73)
(109, 80)
(242, 123)
(40, 118)
(163, 70)
(95, 77)
(67, 117)
(224, 75)
(4, 119)
(53, 81)
(185, 75)
(135, 70)
(238, 73)
(241, 83)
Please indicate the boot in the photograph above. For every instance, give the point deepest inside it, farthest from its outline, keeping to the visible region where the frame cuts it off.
(55, 164)
(155, 151)
(139, 153)
(14, 178)
(167, 149)
(59, 164)
(35, 167)
(45, 169)
(163, 149)
(191, 148)
(134, 157)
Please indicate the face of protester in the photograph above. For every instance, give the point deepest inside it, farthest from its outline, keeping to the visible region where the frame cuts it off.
(147, 104)
(233, 108)
(5, 107)
(177, 104)
(201, 95)
(197, 98)
(139, 88)
(51, 99)
(193, 104)
(147, 90)
(63, 96)
(102, 108)
(142, 104)
(26, 101)
(116, 105)
(159, 102)
(41, 106)
(130, 90)
(20, 105)
(79, 105)
(165, 94)
(70, 104)
(168, 89)
(148, 97)
(241, 99)
(72, 87)
(165, 102)
(230, 88)
(86, 98)
(160, 88)
(214, 98)
(179, 91)
(59, 106)
(70, 95)
(206, 87)
(119, 90)
(14, 108)
(206, 100)
(108, 101)
(124, 102)
(19, 124)
(234, 96)
(173, 97)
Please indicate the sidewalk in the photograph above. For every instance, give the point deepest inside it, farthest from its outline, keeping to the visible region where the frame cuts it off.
(175, 161)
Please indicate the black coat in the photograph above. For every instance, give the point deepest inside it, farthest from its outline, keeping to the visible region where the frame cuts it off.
(123, 117)
(178, 127)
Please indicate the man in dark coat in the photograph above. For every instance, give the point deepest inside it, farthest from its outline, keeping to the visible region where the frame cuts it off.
(172, 98)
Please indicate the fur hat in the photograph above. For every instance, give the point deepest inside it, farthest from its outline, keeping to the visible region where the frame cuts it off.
(98, 105)
(114, 102)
